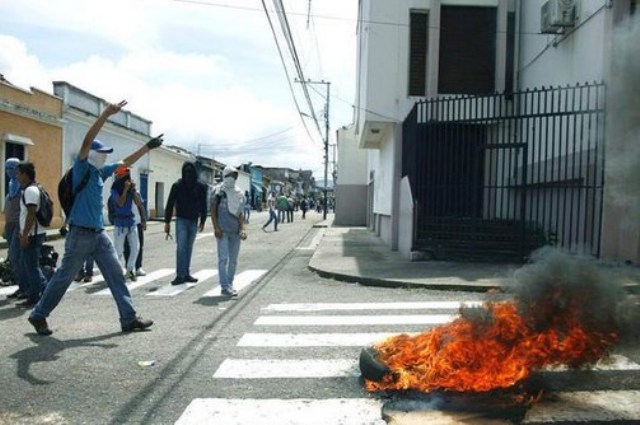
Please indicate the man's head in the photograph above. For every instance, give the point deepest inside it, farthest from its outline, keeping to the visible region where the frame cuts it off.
(123, 172)
(189, 172)
(230, 171)
(25, 173)
(98, 153)
(10, 166)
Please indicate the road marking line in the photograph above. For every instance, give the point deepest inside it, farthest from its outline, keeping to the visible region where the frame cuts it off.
(417, 319)
(142, 280)
(313, 339)
(276, 368)
(78, 285)
(352, 411)
(241, 281)
(429, 305)
(171, 290)
(6, 290)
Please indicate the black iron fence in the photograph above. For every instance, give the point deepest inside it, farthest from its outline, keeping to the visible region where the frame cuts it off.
(498, 176)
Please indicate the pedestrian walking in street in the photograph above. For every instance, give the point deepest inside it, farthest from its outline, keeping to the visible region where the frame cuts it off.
(247, 206)
(283, 207)
(86, 234)
(271, 205)
(140, 219)
(12, 226)
(303, 207)
(228, 227)
(189, 198)
(32, 236)
(124, 227)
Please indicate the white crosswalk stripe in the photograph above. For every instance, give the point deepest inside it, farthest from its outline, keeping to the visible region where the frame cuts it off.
(172, 290)
(143, 280)
(241, 281)
(312, 365)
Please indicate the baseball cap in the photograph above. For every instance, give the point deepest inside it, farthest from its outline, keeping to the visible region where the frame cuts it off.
(98, 146)
(122, 171)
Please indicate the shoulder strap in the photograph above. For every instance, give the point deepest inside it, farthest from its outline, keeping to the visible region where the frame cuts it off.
(83, 182)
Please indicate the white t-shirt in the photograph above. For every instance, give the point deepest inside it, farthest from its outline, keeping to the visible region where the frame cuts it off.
(30, 196)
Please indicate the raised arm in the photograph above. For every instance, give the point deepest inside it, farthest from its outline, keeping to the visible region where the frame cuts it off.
(111, 109)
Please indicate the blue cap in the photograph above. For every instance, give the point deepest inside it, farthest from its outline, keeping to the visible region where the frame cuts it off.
(97, 145)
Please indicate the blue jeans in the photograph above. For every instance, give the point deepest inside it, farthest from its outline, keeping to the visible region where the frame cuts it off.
(12, 235)
(228, 249)
(186, 231)
(29, 268)
(80, 243)
(272, 217)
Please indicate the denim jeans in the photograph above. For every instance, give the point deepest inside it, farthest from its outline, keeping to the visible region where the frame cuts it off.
(228, 249)
(272, 217)
(186, 231)
(130, 234)
(12, 235)
(80, 243)
(29, 270)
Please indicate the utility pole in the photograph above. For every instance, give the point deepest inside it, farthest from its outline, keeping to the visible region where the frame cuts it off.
(326, 139)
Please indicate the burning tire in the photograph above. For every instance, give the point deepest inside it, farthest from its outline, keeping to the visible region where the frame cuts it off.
(370, 366)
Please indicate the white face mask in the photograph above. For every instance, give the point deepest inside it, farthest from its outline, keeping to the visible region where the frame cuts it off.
(97, 159)
(229, 181)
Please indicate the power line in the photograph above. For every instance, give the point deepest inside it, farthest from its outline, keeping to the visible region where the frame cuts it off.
(295, 101)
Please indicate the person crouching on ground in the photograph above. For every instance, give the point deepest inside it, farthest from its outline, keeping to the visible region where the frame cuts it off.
(86, 234)
(228, 227)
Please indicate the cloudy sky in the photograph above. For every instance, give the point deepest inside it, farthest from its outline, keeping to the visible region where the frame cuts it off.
(206, 72)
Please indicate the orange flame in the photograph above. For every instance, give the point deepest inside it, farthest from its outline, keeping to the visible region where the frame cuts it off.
(499, 351)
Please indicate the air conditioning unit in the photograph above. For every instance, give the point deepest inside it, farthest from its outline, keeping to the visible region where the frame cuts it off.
(556, 15)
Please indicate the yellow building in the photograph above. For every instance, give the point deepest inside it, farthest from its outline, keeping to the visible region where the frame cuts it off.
(31, 129)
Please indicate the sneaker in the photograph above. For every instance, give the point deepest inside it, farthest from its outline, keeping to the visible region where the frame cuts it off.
(88, 278)
(264, 229)
(131, 276)
(78, 277)
(140, 272)
(178, 281)
(190, 279)
(137, 324)
(40, 326)
(229, 292)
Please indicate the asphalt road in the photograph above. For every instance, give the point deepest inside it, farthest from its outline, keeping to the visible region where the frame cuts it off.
(284, 352)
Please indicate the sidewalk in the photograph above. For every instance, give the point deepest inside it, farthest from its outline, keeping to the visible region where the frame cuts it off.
(355, 254)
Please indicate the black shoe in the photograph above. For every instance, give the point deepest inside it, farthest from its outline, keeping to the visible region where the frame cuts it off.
(40, 326)
(26, 304)
(17, 295)
(190, 279)
(229, 292)
(137, 324)
(178, 281)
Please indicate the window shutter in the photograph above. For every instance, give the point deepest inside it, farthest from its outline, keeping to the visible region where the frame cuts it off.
(418, 34)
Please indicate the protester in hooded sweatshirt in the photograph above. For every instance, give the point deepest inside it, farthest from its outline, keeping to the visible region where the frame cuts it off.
(86, 234)
(12, 224)
(189, 198)
(228, 227)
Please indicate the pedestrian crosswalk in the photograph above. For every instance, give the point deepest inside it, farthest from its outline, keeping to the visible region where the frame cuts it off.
(243, 279)
(307, 335)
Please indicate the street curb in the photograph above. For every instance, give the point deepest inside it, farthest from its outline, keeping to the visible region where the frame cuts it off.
(385, 283)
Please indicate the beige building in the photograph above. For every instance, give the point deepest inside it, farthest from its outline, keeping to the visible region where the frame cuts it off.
(31, 129)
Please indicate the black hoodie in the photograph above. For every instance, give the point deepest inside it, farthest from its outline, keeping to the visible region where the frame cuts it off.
(188, 196)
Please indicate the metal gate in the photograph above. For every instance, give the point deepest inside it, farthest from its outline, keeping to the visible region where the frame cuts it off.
(495, 177)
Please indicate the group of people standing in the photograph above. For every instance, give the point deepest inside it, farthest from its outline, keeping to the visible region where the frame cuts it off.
(86, 242)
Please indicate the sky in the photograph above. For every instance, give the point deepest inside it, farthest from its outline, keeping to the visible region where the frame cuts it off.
(207, 73)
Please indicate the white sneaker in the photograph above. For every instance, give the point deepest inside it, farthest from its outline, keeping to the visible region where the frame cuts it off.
(140, 272)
